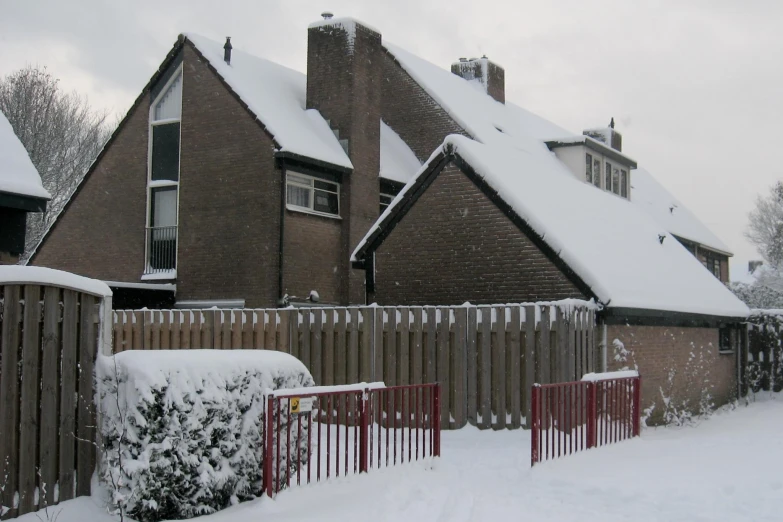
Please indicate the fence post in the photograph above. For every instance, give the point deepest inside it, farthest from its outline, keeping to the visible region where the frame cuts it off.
(268, 453)
(637, 399)
(364, 433)
(436, 424)
(592, 421)
(535, 423)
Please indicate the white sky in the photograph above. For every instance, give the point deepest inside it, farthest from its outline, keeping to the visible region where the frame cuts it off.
(694, 85)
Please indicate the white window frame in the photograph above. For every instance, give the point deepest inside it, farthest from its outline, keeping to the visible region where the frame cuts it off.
(154, 184)
(390, 196)
(312, 189)
(589, 158)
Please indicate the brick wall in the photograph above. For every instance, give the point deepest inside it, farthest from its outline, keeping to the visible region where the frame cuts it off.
(229, 199)
(412, 113)
(691, 352)
(313, 257)
(101, 234)
(455, 245)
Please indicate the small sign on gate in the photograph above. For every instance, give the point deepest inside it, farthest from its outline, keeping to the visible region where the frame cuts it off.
(300, 404)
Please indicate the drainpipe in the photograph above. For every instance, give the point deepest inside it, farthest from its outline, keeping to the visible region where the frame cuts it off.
(280, 292)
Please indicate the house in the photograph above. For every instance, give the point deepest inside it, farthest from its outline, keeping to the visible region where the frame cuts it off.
(21, 191)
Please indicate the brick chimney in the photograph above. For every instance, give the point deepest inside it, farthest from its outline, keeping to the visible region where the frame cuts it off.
(344, 74)
(489, 76)
(607, 135)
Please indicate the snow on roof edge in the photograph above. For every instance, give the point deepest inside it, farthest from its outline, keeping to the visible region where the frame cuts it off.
(38, 275)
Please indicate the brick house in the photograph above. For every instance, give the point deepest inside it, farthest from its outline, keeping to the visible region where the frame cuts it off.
(21, 191)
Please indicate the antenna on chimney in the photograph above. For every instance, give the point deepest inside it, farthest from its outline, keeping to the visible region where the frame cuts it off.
(327, 15)
(227, 50)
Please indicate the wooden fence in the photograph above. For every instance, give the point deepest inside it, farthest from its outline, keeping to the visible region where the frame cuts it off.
(486, 357)
(48, 342)
(761, 360)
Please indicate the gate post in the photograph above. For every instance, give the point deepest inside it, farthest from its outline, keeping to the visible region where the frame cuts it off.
(269, 443)
(364, 418)
(591, 415)
(535, 424)
(637, 399)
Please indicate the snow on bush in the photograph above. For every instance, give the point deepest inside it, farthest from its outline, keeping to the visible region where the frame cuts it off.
(182, 430)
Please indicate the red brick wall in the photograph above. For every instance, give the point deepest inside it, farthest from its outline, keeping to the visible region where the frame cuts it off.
(691, 352)
(455, 245)
(229, 199)
(313, 257)
(101, 234)
(407, 108)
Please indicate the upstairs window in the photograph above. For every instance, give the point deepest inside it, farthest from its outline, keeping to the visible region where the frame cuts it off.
(713, 265)
(386, 200)
(163, 180)
(616, 180)
(597, 172)
(589, 168)
(309, 194)
(624, 183)
(608, 183)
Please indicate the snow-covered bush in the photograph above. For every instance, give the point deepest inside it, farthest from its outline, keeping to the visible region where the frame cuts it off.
(765, 370)
(182, 430)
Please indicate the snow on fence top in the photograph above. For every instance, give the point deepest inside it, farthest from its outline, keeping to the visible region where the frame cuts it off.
(276, 95)
(38, 275)
(18, 175)
(608, 376)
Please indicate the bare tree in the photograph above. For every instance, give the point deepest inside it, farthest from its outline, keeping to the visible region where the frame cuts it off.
(61, 133)
(765, 227)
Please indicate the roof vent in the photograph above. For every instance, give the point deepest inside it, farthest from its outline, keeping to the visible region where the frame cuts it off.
(327, 15)
(463, 60)
(227, 50)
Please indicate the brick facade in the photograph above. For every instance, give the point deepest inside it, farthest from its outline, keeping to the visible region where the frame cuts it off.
(689, 355)
(313, 257)
(101, 232)
(455, 245)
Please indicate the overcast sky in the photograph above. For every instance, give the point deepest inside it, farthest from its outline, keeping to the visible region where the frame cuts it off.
(696, 86)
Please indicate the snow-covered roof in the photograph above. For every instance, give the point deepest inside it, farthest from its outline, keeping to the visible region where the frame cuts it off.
(398, 162)
(648, 194)
(276, 95)
(18, 175)
(611, 245)
(38, 275)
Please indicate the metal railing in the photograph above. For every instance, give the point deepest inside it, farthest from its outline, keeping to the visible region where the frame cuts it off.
(161, 250)
(316, 435)
(574, 416)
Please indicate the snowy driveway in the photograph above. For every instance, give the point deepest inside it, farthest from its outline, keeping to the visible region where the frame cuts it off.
(730, 468)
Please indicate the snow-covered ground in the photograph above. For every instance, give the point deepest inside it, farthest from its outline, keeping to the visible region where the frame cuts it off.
(726, 469)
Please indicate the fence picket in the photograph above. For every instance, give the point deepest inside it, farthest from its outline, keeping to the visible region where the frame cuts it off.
(50, 394)
(353, 347)
(485, 369)
(69, 372)
(28, 414)
(85, 444)
(390, 348)
(514, 373)
(458, 369)
(442, 364)
(340, 351)
(498, 369)
(471, 367)
(531, 360)
(328, 340)
(365, 352)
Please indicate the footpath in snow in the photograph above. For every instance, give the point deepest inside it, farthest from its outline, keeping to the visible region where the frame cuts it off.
(726, 469)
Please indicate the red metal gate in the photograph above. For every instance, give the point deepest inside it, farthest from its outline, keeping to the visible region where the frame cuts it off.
(573, 416)
(317, 433)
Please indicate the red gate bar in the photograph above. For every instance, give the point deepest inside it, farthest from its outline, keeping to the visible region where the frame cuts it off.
(318, 433)
(572, 416)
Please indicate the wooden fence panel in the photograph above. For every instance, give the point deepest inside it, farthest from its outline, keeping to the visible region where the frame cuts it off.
(9, 395)
(486, 357)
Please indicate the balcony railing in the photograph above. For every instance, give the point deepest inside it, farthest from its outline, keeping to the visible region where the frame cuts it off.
(161, 250)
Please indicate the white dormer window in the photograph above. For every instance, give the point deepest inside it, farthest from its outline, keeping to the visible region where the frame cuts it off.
(593, 162)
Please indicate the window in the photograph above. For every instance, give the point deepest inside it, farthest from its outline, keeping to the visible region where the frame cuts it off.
(713, 265)
(386, 200)
(729, 339)
(608, 184)
(597, 172)
(589, 168)
(616, 180)
(312, 194)
(624, 183)
(163, 184)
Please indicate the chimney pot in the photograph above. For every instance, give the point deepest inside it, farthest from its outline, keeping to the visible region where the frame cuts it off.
(463, 60)
(327, 15)
(227, 50)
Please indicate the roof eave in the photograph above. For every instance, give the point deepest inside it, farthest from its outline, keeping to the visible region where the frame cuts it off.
(285, 154)
(595, 145)
(650, 317)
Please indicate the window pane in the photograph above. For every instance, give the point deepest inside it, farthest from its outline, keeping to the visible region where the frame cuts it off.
(608, 183)
(589, 167)
(298, 196)
(304, 180)
(165, 152)
(597, 172)
(624, 183)
(164, 207)
(325, 185)
(616, 181)
(326, 202)
(170, 104)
